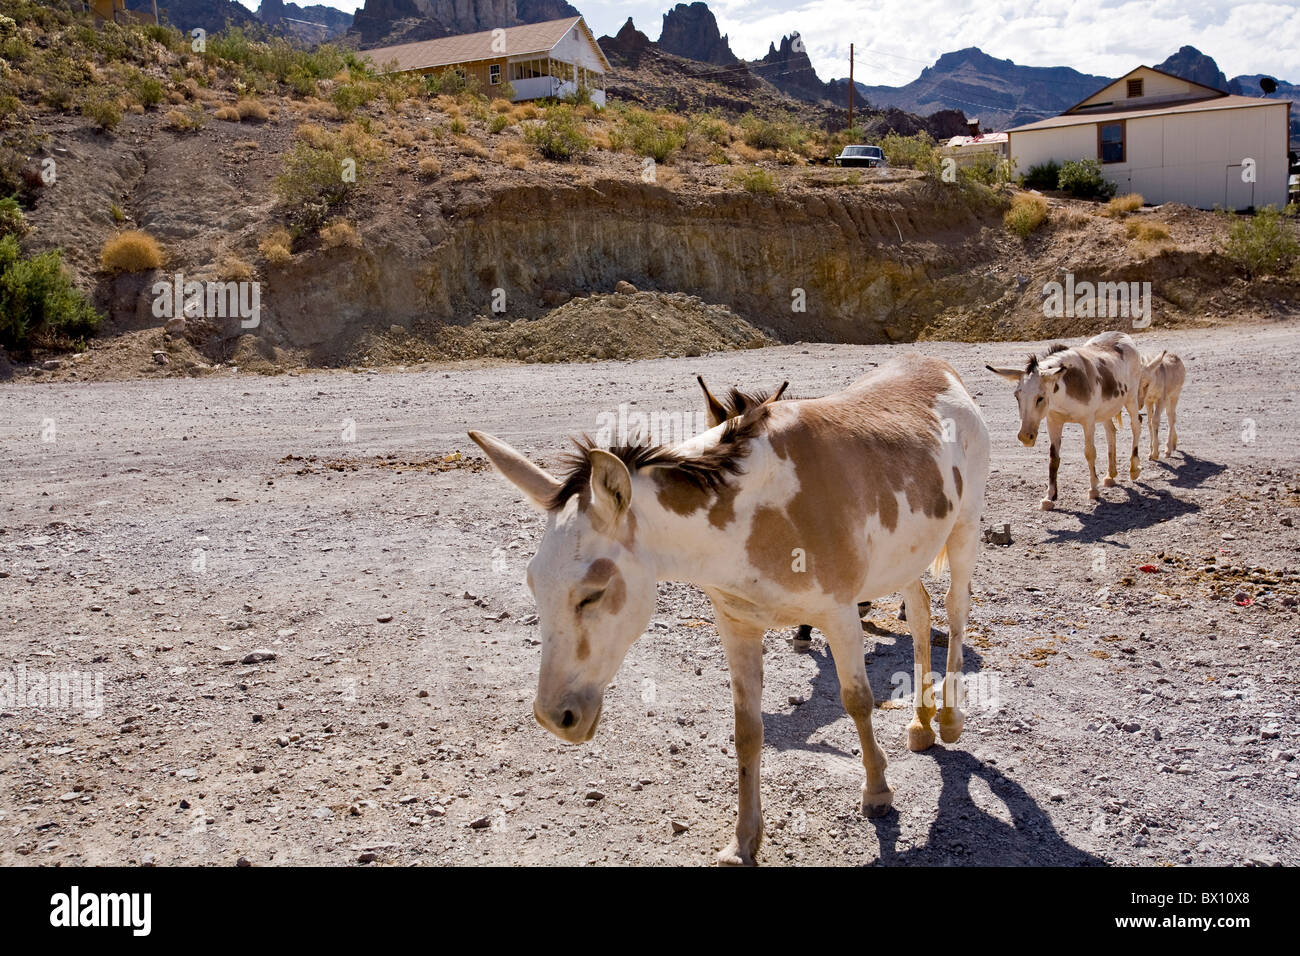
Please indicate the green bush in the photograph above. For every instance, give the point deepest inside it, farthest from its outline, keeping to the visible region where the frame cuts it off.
(644, 134)
(917, 151)
(450, 82)
(1027, 213)
(559, 135)
(38, 305)
(313, 182)
(1262, 244)
(147, 91)
(770, 134)
(498, 122)
(755, 180)
(1042, 176)
(11, 217)
(1082, 179)
(103, 112)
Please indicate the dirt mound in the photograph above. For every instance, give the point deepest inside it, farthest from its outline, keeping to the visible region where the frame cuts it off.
(641, 325)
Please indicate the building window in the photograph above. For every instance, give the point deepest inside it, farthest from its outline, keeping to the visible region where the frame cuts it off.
(1110, 142)
(494, 74)
(1134, 88)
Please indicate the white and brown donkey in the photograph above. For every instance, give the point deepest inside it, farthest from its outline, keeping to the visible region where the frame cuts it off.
(790, 513)
(1086, 384)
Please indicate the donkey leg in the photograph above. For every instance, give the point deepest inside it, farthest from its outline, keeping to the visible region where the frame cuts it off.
(1054, 430)
(919, 734)
(1090, 452)
(744, 648)
(1111, 471)
(963, 547)
(844, 634)
(1134, 469)
(1171, 443)
(1153, 429)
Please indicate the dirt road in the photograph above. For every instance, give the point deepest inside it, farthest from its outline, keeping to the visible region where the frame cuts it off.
(170, 535)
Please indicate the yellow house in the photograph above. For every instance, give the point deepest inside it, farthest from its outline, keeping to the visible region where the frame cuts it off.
(1171, 140)
(116, 10)
(538, 60)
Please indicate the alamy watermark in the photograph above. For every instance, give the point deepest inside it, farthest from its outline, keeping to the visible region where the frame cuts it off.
(178, 298)
(55, 690)
(1102, 300)
(658, 427)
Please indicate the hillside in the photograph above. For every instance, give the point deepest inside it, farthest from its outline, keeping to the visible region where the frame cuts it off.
(465, 213)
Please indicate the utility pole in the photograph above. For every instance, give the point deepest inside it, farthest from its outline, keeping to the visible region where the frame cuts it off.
(850, 86)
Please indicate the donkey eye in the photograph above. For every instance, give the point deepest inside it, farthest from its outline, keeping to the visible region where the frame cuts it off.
(591, 599)
(1040, 400)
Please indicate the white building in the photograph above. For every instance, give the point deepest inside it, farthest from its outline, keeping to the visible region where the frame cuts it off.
(1171, 140)
(538, 60)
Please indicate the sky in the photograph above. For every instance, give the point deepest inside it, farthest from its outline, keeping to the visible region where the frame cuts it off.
(895, 39)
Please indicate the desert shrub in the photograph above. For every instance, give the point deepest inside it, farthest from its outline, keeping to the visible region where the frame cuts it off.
(755, 180)
(38, 304)
(189, 120)
(1026, 214)
(467, 175)
(498, 122)
(1082, 179)
(1146, 231)
(11, 217)
(227, 113)
(1262, 244)
(708, 128)
(517, 161)
(322, 168)
(130, 251)
(581, 96)
(277, 248)
(146, 90)
(1122, 205)
(762, 133)
(429, 167)
(104, 112)
(559, 136)
(647, 134)
(1042, 176)
(252, 109)
(917, 151)
(450, 83)
(986, 170)
(350, 97)
(340, 232)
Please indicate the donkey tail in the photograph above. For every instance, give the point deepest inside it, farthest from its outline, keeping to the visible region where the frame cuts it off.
(940, 562)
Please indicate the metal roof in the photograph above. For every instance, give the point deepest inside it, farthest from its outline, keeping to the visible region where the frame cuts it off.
(528, 38)
(1227, 102)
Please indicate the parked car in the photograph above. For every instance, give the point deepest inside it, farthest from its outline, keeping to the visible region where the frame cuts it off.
(861, 156)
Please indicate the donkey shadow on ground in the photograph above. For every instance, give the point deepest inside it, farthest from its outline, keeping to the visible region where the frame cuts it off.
(1143, 506)
(965, 833)
(889, 668)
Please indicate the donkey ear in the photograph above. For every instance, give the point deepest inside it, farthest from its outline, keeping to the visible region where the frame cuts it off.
(776, 396)
(538, 485)
(1010, 374)
(611, 486)
(713, 409)
(1155, 362)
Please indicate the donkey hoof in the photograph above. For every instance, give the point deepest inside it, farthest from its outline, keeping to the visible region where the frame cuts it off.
(733, 855)
(1109, 482)
(877, 804)
(919, 737)
(1047, 504)
(1094, 494)
(951, 723)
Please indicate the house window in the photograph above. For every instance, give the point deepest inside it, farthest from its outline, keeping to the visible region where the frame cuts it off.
(1110, 142)
(1134, 88)
(494, 74)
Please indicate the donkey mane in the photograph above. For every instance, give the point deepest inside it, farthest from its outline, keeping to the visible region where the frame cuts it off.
(709, 471)
(1032, 364)
(738, 403)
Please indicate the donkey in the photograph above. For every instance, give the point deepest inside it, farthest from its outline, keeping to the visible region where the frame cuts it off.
(1100, 378)
(1160, 386)
(791, 512)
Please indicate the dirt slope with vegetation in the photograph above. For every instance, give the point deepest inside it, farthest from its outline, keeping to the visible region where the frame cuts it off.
(360, 203)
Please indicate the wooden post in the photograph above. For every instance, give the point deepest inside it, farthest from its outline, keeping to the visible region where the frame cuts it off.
(850, 86)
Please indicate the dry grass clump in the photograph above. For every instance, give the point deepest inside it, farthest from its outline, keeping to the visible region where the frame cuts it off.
(517, 161)
(1028, 211)
(338, 233)
(468, 175)
(1123, 205)
(234, 269)
(277, 247)
(1069, 218)
(471, 147)
(131, 251)
(252, 109)
(429, 167)
(228, 113)
(1146, 231)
